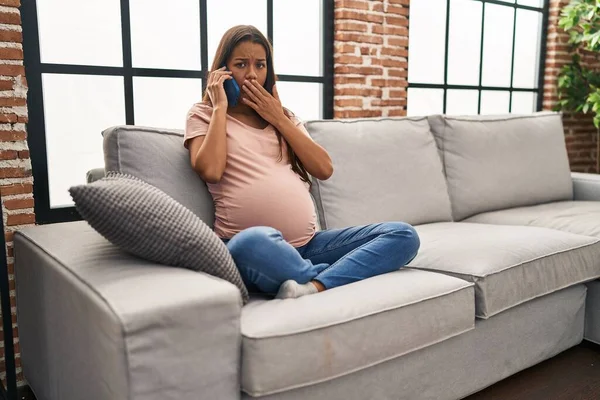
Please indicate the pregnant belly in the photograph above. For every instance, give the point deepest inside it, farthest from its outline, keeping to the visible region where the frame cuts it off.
(280, 202)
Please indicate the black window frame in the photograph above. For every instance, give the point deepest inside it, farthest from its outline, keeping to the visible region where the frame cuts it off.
(34, 69)
(539, 90)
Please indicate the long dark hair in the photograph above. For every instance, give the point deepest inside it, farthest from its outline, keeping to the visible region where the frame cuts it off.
(229, 41)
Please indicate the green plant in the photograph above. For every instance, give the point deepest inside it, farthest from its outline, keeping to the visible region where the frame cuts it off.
(579, 90)
(581, 19)
(579, 87)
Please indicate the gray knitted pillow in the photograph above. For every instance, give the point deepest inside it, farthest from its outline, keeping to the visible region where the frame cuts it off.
(143, 220)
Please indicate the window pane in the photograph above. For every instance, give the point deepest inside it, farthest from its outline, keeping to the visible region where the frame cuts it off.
(427, 41)
(165, 37)
(527, 49)
(298, 37)
(461, 102)
(425, 101)
(304, 99)
(524, 102)
(224, 14)
(80, 32)
(494, 102)
(532, 3)
(164, 102)
(464, 42)
(77, 108)
(497, 45)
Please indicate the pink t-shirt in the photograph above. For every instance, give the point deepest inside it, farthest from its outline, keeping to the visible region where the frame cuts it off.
(256, 189)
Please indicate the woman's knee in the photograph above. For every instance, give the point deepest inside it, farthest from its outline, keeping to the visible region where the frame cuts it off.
(250, 250)
(413, 237)
(409, 237)
(252, 238)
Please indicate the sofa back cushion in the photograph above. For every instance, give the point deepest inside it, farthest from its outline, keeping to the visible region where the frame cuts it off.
(385, 169)
(157, 156)
(500, 162)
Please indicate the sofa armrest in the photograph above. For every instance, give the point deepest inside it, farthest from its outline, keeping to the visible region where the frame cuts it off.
(94, 174)
(96, 323)
(586, 186)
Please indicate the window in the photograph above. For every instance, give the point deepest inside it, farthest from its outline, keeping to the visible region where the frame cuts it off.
(476, 56)
(92, 65)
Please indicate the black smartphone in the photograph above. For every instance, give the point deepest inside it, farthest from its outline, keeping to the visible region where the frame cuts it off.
(232, 90)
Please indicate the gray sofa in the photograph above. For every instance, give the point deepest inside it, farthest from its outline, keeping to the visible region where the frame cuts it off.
(506, 276)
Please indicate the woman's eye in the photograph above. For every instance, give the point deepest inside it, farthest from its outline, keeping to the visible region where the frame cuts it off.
(261, 65)
(241, 65)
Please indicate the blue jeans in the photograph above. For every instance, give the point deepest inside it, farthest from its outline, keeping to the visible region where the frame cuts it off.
(332, 257)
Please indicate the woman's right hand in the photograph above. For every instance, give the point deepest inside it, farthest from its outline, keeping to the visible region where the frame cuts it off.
(215, 88)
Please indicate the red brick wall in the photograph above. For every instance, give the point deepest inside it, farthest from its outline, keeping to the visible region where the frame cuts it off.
(580, 133)
(370, 60)
(16, 182)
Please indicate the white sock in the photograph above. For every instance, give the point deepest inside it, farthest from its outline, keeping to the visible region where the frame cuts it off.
(292, 289)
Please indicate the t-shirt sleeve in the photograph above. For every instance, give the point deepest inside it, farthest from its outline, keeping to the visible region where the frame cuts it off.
(196, 123)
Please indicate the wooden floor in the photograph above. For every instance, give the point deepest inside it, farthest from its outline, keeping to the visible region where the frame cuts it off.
(572, 375)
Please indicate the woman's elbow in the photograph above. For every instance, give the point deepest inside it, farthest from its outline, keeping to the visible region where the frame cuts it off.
(211, 178)
(325, 172)
(207, 175)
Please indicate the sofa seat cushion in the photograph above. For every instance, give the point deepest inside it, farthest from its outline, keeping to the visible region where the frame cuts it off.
(292, 343)
(508, 264)
(580, 217)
